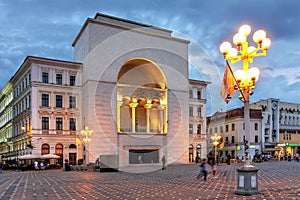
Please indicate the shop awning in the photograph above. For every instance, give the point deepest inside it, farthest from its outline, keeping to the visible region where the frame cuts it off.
(271, 149)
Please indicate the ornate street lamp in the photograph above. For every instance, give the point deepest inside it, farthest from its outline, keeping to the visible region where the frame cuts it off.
(216, 139)
(86, 133)
(245, 80)
(248, 76)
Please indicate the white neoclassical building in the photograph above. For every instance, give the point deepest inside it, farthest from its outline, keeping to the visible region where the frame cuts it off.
(128, 83)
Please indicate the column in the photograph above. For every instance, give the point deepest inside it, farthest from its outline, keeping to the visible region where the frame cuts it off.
(148, 107)
(133, 105)
(162, 119)
(119, 104)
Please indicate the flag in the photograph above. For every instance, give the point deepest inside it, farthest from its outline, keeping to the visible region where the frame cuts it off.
(228, 84)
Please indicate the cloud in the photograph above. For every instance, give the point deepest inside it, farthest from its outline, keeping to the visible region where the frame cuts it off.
(48, 28)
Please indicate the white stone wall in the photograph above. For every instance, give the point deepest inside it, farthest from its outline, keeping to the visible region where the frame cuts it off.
(111, 47)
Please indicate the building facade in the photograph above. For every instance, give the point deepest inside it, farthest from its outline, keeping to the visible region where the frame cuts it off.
(230, 126)
(280, 126)
(42, 111)
(128, 83)
(197, 120)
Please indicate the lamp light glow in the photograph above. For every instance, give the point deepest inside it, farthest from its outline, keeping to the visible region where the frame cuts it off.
(245, 29)
(266, 43)
(233, 52)
(251, 50)
(254, 73)
(239, 38)
(259, 36)
(225, 47)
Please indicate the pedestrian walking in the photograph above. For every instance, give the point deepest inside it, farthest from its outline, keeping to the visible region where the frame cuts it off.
(228, 159)
(203, 170)
(214, 168)
(42, 167)
(163, 160)
(36, 165)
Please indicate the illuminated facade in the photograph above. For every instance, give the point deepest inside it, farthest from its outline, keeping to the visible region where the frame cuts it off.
(41, 111)
(128, 84)
(135, 91)
(7, 147)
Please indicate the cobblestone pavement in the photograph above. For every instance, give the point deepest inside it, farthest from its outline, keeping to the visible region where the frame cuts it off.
(276, 180)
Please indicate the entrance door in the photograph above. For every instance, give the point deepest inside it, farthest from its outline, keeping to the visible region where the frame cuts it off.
(145, 156)
(72, 158)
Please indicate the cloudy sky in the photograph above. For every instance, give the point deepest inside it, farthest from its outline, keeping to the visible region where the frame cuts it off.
(47, 29)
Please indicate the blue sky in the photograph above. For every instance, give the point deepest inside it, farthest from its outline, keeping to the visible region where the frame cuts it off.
(47, 29)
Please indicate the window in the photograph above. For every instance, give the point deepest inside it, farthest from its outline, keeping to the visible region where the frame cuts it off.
(45, 123)
(59, 123)
(72, 80)
(72, 102)
(45, 77)
(191, 94)
(226, 128)
(72, 124)
(59, 79)
(59, 101)
(216, 129)
(198, 94)
(190, 128)
(256, 126)
(199, 111)
(232, 139)
(221, 129)
(45, 149)
(199, 129)
(226, 140)
(45, 100)
(256, 139)
(59, 149)
(232, 127)
(191, 112)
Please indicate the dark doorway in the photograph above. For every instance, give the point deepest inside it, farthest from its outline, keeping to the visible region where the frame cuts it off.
(143, 156)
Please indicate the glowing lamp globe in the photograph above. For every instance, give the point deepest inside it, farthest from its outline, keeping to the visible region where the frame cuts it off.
(245, 29)
(239, 38)
(266, 43)
(225, 47)
(259, 36)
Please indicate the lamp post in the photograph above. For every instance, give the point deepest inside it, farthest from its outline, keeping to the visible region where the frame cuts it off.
(215, 138)
(86, 133)
(246, 77)
(245, 80)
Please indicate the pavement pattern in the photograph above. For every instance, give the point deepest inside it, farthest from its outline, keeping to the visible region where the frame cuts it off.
(276, 180)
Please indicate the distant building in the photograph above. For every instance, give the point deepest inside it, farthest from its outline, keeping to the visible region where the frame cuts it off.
(197, 120)
(230, 126)
(128, 83)
(281, 126)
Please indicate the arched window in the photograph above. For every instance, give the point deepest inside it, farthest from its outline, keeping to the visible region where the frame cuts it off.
(72, 146)
(45, 149)
(59, 149)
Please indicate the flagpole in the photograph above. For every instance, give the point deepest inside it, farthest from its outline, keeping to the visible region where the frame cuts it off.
(238, 86)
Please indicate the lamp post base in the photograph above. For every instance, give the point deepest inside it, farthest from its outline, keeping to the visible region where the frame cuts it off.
(247, 180)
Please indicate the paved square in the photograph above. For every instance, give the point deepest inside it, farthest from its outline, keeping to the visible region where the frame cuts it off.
(277, 180)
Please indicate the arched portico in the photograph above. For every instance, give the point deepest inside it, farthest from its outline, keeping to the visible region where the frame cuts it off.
(142, 98)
